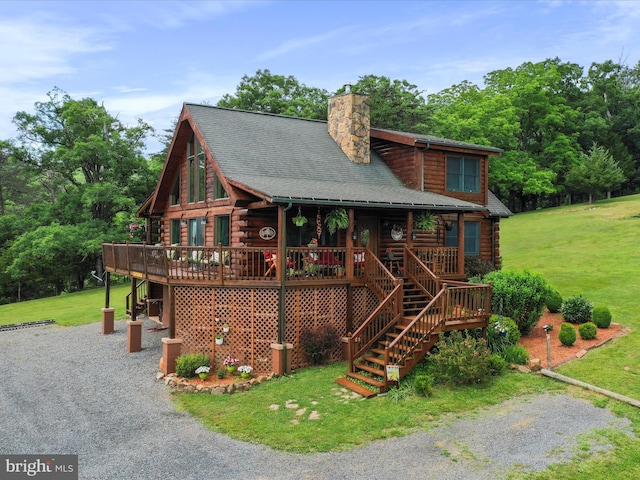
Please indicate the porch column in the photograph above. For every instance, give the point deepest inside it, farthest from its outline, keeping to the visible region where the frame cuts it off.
(461, 243)
(108, 314)
(171, 348)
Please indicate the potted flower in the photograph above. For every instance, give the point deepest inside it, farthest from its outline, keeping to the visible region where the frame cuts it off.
(219, 339)
(230, 362)
(336, 219)
(203, 372)
(245, 370)
(225, 328)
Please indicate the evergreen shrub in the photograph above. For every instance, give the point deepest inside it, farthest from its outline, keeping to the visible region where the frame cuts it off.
(567, 334)
(588, 331)
(601, 316)
(554, 301)
(462, 360)
(576, 310)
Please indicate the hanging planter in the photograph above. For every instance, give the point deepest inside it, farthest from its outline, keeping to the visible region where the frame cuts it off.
(219, 340)
(336, 219)
(299, 220)
(425, 221)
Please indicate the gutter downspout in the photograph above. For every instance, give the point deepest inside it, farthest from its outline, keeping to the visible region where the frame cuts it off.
(283, 276)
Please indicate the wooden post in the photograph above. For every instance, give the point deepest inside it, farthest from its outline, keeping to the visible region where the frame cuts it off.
(461, 243)
(134, 299)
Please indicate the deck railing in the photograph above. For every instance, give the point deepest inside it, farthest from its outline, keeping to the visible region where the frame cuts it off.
(440, 260)
(218, 265)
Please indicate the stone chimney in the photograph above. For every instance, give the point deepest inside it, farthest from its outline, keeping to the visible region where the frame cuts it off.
(349, 124)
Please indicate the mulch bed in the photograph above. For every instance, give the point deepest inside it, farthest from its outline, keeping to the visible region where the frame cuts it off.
(536, 341)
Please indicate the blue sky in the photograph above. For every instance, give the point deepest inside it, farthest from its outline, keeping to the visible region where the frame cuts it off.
(144, 59)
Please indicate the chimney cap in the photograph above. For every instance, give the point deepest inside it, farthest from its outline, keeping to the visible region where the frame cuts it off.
(347, 88)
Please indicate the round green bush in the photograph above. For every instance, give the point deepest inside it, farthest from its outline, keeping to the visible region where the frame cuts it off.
(517, 354)
(567, 334)
(588, 331)
(554, 301)
(576, 310)
(601, 316)
(423, 385)
(187, 364)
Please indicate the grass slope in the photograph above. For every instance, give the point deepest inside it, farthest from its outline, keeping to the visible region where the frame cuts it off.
(71, 309)
(593, 251)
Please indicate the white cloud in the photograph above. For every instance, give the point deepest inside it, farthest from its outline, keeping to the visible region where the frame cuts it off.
(35, 48)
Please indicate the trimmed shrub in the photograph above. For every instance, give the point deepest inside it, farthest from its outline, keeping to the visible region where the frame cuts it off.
(477, 267)
(554, 301)
(588, 331)
(576, 310)
(317, 343)
(423, 385)
(567, 334)
(516, 354)
(461, 360)
(501, 332)
(519, 296)
(601, 316)
(187, 364)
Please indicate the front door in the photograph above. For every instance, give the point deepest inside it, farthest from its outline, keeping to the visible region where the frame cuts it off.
(367, 229)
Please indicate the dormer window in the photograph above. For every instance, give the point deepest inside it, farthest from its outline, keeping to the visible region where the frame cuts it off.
(463, 174)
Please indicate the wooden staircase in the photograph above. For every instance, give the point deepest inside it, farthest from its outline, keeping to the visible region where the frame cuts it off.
(369, 371)
(408, 323)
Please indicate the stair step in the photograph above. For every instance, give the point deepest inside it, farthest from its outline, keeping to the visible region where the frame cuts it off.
(367, 368)
(371, 359)
(355, 387)
(365, 379)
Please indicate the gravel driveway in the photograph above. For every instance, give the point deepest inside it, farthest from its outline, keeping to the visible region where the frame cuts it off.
(76, 391)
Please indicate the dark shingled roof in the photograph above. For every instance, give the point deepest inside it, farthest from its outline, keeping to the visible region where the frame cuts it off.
(444, 142)
(497, 208)
(295, 159)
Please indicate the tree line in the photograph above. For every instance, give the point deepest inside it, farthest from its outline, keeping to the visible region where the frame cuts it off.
(75, 175)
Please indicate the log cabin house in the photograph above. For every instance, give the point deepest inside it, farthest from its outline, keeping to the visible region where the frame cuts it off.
(237, 237)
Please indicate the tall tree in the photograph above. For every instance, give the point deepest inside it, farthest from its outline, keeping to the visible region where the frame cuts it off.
(277, 94)
(94, 168)
(597, 173)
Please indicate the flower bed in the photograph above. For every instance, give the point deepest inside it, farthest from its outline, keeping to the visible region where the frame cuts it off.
(212, 385)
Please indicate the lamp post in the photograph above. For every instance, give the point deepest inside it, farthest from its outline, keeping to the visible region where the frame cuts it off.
(547, 329)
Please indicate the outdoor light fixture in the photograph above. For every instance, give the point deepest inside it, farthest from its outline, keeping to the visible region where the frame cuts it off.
(414, 235)
(183, 221)
(354, 235)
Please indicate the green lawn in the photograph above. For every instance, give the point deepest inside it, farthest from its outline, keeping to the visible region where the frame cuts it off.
(71, 309)
(593, 251)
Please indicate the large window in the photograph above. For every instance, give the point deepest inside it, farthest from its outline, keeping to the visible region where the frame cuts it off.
(219, 191)
(175, 231)
(222, 230)
(196, 231)
(174, 196)
(196, 177)
(463, 174)
(471, 237)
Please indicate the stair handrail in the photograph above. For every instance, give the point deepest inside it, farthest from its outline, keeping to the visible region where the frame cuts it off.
(420, 273)
(375, 326)
(377, 276)
(141, 292)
